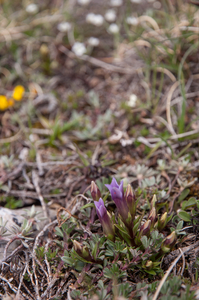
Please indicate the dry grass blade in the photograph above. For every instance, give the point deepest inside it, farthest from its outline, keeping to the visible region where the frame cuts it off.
(168, 107)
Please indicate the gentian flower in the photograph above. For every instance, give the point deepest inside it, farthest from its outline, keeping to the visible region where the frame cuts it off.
(105, 219)
(117, 194)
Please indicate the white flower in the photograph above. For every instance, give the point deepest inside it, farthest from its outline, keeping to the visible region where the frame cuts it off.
(132, 100)
(113, 28)
(94, 19)
(79, 48)
(157, 5)
(83, 2)
(136, 1)
(93, 41)
(110, 15)
(116, 2)
(90, 18)
(64, 27)
(32, 8)
(132, 21)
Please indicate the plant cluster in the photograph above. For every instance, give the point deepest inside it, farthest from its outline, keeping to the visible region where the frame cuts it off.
(130, 248)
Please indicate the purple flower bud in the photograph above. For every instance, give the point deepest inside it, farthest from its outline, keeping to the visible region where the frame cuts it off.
(152, 216)
(95, 192)
(162, 222)
(149, 264)
(105, 219)
(82, 251)
(145, 228)
(169, 242)
(130, 200)
(117, 194)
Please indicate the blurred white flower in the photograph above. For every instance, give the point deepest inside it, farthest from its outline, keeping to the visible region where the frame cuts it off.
(90, 18)
(23, 155)
(79, 48)
(110, 15)
(157, 5)
(132, 100)
(93, 41)
(83, 2)
(94, 19)
(32, 8)
(132, 20)
(136, 1)
(113, 28)
(64, 27)
(116, 2)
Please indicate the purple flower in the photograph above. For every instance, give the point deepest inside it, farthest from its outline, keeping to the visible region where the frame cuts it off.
(105, 219)
(117, 194)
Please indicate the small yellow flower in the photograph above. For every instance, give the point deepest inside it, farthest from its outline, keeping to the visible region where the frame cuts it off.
(18, 92)
(3, 102)
(10, 102)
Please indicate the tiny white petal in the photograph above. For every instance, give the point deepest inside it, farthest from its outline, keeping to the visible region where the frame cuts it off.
(93, 41)
(132, 100)
(32, 8)
(98, 20)
(132, 21)
(79, 48)
(113, 28)
(64, 27)
(94, 19)
(116, 2)
(110, 15)
(83, 2)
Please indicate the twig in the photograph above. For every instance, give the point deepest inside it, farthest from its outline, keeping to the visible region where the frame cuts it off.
(8, 244)
(46, 260)
(39, 163)
(35, 180)
(11, 286)
(99, 63)
(39, 263)
(55, 163)
(12, 138)
(36, 286)
(21, 280)
(11, 255)
(183, 261)
(182, 251)
(52, 282)
(55, 222)
(166, 275)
